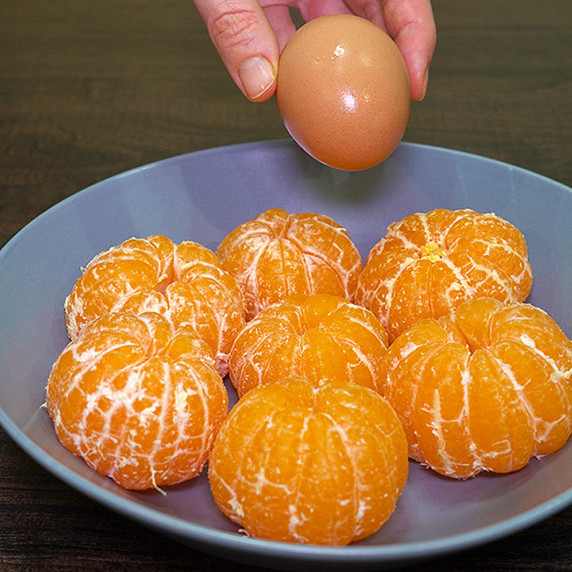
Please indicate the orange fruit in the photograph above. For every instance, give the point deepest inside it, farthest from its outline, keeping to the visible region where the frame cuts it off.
(278, 254)
(184, 282)
(485, 388)
(429, 263)
(321, 338)
(321, 465)
(137, 400)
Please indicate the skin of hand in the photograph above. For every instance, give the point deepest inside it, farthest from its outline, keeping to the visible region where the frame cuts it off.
(249, 35)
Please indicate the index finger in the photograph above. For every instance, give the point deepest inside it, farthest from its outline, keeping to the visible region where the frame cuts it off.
(246, 44)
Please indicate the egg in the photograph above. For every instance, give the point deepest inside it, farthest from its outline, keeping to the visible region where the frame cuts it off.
(343, 91)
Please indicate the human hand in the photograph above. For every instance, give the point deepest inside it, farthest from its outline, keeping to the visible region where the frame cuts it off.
(249, 35)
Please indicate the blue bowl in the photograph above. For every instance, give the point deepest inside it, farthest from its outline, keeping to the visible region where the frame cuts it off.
(202, 196)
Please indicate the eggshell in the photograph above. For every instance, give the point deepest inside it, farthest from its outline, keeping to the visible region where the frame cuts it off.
(343, 91)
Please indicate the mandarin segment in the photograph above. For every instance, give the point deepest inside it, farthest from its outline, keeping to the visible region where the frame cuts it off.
(321, 337)
(428, 264)
(137, 400)
(185, 282)
(279, 254)
(312, 465)
(486, 388)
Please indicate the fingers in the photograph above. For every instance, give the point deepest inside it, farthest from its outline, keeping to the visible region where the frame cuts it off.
(369, 9)
(311, 9)
(411, 24)
(246, 43)
(249, 35)
(281, 22)
(279, 16)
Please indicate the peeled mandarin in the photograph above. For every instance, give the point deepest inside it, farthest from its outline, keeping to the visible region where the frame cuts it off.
(427, 264)
(321, 465)
(343, 91)
(322, 338)
(184, 282)
(485, 388)
(137, 400)
(278, 254)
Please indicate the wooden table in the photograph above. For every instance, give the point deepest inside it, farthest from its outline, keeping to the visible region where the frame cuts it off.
(90, 89)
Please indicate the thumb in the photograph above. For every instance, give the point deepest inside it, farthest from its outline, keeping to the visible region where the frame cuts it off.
(245, 42)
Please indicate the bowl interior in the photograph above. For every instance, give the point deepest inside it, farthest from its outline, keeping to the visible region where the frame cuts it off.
(202, 196)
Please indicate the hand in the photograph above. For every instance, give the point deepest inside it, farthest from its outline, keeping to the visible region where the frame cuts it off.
(249, 35)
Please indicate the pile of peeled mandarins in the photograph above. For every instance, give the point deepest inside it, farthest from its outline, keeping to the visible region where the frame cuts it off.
(343, 371)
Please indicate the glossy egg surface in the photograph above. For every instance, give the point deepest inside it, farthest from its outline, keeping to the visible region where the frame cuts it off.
(343, 91)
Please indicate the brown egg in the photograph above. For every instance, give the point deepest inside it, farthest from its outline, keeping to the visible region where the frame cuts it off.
(343, 91)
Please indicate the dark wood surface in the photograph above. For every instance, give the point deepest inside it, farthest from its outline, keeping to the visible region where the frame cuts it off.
(90, 89)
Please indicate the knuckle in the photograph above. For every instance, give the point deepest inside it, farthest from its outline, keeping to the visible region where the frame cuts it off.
(231, 25)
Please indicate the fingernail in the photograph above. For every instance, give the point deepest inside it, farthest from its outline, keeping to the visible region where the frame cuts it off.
(256, 75)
